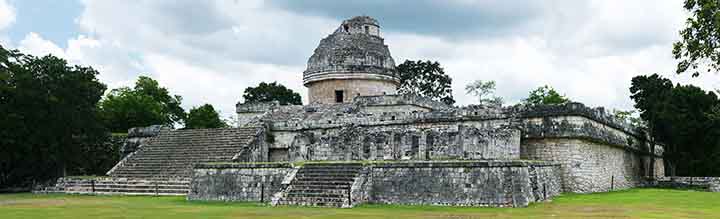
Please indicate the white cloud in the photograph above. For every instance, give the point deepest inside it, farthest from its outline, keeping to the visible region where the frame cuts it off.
(34, 44)
(209, 52)
(7, 14)
(116, 65)
(586, 50)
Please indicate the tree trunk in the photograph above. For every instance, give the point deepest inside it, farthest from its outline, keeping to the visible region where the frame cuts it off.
(652, 155)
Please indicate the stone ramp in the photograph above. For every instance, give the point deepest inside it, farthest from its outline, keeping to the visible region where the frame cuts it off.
(174, 152)
(120, 186)
(321, 185)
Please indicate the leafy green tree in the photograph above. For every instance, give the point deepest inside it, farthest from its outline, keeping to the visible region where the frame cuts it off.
(682, 117)
(146, 104)
(691, 136)
(650, 95)
(484, 91)
(699, 46)
(545, 95)
(171, 103)
(204, 116)
(265, 92)
(425, 78)
(48, 116)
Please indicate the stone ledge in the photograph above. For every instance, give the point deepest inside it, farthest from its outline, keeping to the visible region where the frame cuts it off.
(468, 163)
(386, 164)
(241, 165)
(574, 109)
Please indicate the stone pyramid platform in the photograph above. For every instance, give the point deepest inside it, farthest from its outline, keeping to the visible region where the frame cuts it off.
(174, 152)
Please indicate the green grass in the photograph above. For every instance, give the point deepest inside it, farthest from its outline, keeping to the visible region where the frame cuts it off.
(635, 203)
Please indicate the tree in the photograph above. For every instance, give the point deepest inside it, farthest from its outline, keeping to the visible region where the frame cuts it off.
(427, 79)
(484, 91)
(171, 104)
(650, 96)
(699, 46)
(146, 104)
(48, 115)
(682, 117)
(545, 95)
(204, 116)
(265, 92)
(691, 132)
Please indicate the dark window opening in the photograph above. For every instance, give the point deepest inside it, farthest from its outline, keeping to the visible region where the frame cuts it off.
(339, 96)
(367, 30)
(345, 27)
(415, 145)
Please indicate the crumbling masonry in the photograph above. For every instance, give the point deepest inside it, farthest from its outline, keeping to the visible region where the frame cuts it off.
(358, 141)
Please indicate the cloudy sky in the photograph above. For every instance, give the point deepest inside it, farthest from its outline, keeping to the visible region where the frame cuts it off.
(209, 51)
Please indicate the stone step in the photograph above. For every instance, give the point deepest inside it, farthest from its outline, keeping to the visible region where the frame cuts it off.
(322, 191)
(102, 186)
(116, 184)
(325, 178)
(313, 201)
(189, 150)
(308, 182)
(133, 189)
(343, 174)
(315, 186)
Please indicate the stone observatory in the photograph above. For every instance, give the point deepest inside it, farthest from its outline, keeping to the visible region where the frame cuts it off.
(352, 61)
(357, 141)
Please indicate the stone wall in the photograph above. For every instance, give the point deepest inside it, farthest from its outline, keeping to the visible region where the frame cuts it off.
(250, 112)
(711, 184)
(237, 181)
(587, 166)
(324, 91)
(403, 142)
(466, 183)
(136, 137)
(503, 184)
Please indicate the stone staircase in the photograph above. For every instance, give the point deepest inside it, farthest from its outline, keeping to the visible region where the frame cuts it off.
(321, 185)
(120, 186)
(174, 152)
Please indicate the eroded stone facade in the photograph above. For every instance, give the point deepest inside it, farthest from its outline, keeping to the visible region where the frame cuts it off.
(361, 142)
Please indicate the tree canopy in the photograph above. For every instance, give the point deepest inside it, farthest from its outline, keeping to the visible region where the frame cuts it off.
(265, 92)
(48, 117)
(145, 104)
(204, 116)
(684, 119)
(484, 91)
(698, 49)
(425, 78)
(545, 95)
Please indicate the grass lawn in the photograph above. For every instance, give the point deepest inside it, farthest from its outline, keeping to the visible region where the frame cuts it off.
(635, 203)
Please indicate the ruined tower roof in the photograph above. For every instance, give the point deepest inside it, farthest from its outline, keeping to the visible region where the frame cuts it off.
(362, 20)
(354, 51)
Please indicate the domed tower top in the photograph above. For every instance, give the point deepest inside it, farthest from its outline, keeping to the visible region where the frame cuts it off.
(352, 61)
(362, 25)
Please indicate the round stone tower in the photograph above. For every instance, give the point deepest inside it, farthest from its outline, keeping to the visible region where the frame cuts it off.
(352, 61)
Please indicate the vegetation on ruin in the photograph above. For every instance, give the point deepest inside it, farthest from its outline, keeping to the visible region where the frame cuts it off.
(484, 91)
(266, 92)
(545, 95)
(425, 78)
(635, 203)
